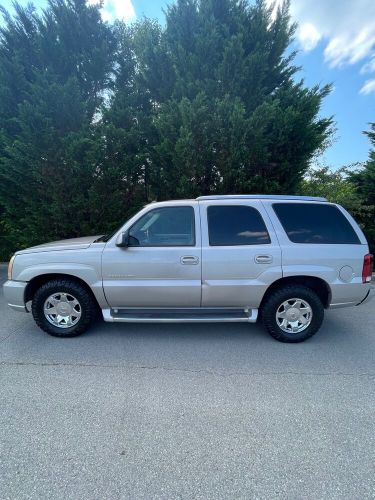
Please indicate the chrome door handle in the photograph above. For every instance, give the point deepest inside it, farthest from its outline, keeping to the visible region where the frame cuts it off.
(264, 259)
(189, 260)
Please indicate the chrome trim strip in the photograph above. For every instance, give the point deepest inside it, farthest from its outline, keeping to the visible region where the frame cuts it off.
(251, 317)
(342, 304)
(16, 307)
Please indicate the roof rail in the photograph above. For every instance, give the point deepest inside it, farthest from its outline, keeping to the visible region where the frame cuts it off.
(260, 197)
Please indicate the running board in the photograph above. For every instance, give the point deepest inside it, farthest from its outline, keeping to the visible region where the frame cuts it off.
(203, 315)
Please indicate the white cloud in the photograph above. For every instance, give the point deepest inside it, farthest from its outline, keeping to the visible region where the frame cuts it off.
(116, 9)
(124, 9)
(368, 87)
(369, 67)
(347, 28)
(344, 28)
(350, 48)
(308, 36)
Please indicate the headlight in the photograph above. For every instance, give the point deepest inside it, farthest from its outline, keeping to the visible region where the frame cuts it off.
(10, 267)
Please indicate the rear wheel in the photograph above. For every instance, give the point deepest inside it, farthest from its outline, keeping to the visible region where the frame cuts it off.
(292, 313)
(63, 308)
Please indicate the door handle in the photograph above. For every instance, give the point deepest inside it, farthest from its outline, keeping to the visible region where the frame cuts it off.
(263, 259)
(189, 260)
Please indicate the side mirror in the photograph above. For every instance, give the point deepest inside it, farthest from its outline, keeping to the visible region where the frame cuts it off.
(123, 240)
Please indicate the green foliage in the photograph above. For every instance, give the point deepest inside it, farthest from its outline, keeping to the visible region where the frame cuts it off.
(53, 72)
(232, 117)
(364, 180)
(335, 185)
(96, 120)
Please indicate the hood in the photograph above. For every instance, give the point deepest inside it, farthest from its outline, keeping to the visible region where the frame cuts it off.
(70, 244)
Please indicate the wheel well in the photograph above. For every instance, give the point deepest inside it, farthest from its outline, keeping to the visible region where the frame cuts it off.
(40, 280)
(320, 287)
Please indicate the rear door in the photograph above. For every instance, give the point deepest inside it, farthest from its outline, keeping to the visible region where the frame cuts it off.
(241, 256)
(322, 240)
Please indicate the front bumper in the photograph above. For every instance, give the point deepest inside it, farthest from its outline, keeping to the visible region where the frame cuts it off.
(14, 293)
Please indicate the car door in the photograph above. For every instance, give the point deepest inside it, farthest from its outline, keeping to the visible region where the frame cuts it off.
(161, 267)
(241, 256)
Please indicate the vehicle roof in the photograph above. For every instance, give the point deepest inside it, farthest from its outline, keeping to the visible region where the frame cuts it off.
(272, 197)
(260, 197)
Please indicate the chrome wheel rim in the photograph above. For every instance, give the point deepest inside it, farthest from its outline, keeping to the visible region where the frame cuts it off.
(294, 315)
(62, 310)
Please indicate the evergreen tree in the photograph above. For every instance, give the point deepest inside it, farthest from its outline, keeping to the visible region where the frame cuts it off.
(231, 116)
(364, 180)
(95, 119)
(54, 70)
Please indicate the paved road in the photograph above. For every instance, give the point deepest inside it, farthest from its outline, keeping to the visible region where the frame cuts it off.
(190, 412)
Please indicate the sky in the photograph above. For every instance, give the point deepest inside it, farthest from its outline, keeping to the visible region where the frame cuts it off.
(336, 44)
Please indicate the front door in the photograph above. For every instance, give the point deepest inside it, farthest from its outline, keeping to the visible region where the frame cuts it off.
(241, 256)
(161, 267)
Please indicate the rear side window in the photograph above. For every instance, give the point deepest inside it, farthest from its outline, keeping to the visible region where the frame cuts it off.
(315, 223)
(236, 225)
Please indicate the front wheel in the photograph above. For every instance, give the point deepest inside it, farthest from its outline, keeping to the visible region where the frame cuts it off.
(63, 308)
(292, 313)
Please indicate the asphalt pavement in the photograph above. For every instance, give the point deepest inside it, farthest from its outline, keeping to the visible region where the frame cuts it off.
(187, 411)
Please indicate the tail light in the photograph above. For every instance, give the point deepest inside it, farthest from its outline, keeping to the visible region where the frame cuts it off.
(367, 268)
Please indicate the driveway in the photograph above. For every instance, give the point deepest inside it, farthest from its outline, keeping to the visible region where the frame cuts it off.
(187, 411)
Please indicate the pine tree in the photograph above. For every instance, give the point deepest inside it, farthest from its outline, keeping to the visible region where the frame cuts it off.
(54, 70)
(95, 119)
(231, 113)
(364, 180)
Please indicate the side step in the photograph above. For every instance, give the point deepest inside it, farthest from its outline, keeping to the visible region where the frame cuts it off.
(201, 315)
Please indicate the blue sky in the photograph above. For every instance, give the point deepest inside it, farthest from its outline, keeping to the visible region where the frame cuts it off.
(336, 42)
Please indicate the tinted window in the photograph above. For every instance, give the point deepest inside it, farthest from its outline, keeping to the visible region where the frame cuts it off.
(236, 225)
(315, 223)
(167, 226)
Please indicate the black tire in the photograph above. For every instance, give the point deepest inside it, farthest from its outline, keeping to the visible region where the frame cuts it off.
(276, 299)
(88, 307)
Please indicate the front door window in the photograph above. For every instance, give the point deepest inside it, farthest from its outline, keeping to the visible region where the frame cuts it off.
(164, 227)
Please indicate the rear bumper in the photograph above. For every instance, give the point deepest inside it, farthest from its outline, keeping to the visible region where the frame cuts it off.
(370, 295)
(349, 294)
(14, 293)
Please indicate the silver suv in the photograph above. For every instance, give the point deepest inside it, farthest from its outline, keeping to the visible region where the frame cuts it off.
(217, 258)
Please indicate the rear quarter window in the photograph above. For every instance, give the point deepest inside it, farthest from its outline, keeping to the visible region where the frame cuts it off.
(315, 223)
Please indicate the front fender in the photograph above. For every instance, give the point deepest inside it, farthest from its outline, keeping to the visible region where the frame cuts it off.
(89, 274)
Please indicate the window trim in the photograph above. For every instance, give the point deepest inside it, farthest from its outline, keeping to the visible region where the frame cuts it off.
(358, 242)
(269, 242)
(166, 246)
